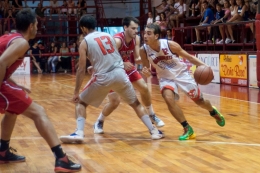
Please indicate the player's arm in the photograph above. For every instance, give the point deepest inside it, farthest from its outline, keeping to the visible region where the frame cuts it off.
(136, 50)
(146, 64)
(9, 56)
(175, 47)
(82, 66)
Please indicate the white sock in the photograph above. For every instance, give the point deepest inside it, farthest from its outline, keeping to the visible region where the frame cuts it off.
(147, 121)
(101, 117)
(80, 123)
(150, 110)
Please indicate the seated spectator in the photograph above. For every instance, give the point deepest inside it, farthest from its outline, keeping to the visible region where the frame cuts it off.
(82, 6)
(241, 14)
(169, 34)
(17, 5)
(179, 13)
(54, 8)
(64, 58)
(206, 20)
(35, 55)
(10, 19)
(150, 18)
(39, 11)
(162, 23)
(214, 32)
(157, 18)
(226, 17)
(53, 59)
(43, 60)
(195, 8)
(64, 7)
(161, 8)
(71, 8)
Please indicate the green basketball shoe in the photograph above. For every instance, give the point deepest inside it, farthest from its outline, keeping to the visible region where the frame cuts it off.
(219, 117)
(188, 134)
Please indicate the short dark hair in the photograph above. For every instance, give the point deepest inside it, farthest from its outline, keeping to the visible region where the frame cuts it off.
(88, 22)
(127, 20)
(205, 2)
(24, 18)
(218, 4)
(156, 28)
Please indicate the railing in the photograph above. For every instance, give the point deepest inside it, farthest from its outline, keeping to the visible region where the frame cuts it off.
(185, 36)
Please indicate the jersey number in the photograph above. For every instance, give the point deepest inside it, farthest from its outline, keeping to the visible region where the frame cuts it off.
(105, 40)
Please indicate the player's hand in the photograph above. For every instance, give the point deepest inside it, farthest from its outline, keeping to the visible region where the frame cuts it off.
(146, 72)
(75, 98)
(25, 89)
(128, 66)
(90, 69)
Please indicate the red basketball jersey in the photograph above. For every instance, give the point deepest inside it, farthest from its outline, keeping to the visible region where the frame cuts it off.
(5, 41)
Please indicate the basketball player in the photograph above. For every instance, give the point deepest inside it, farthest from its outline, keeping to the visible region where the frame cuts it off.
(172, 73)
(108, 74)
(14, 99)
(128, 42)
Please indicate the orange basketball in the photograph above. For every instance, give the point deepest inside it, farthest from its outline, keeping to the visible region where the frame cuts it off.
(203, 75)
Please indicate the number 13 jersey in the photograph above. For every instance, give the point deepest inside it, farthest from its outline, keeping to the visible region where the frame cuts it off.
(102, 52)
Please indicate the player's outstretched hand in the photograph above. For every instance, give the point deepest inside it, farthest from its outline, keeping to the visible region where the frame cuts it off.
(128, 66)
(146, 72)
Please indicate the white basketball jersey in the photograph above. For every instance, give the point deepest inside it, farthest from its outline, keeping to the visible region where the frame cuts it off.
(168, 65)
(102, 52)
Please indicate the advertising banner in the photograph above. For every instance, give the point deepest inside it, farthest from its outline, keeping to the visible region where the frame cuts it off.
(24, 68)
(233, 69)
(252, 71)
(211, 60)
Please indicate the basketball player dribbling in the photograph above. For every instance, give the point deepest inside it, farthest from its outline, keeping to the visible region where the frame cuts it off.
(172, 73)
(14, 99)
(128, 42)
(108, 74)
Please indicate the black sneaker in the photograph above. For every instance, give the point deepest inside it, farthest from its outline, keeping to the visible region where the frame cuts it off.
(66, 165)
(8, 156)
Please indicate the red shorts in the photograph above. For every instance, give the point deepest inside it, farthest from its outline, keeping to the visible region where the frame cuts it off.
(13, 99)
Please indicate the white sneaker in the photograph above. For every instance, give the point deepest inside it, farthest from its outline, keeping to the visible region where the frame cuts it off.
(156, 134)
(228, 40)
(98, 127)
(157, 121)
(76, 137)
(220, 42)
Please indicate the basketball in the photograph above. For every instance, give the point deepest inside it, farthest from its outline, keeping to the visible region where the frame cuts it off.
(203, 75)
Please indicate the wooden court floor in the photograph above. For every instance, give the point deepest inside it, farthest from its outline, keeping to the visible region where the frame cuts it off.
(126, 146)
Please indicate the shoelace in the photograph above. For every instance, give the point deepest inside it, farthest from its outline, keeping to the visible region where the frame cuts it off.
(12, 149)
(155, 118)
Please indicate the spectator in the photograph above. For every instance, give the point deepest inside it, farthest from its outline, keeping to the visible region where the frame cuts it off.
(214, 32)
(72, 8)
(35, 55)
(64, 58)
(179, 13)
(161, 7)
(208, 16)
(43, 60)
(150, 18)
(53, 59)
(54, 8)
(226, 17)
(162, 23)
(82, 5)
(39, 11)
(64, 7)
(157, 18)
(10, 19)
(169, 34)
(17, 5)
(241, 14)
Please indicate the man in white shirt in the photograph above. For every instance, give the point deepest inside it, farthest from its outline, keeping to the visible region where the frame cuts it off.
(179, 11)
(150, 18)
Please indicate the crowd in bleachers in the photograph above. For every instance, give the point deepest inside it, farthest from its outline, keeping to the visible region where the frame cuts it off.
(172, 14)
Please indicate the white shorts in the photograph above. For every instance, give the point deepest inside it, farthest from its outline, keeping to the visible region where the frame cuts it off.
(185, 82)
(99, 86)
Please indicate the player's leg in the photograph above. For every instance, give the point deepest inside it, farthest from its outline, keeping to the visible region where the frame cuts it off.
(125, 89)
(113, 102)
(189, 86)
(86, 98)
(139, 83)
(47, 131)
(7, 152)
(169, 92)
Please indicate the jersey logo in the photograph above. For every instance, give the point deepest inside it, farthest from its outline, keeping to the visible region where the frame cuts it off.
(165, 51)
(192, 93)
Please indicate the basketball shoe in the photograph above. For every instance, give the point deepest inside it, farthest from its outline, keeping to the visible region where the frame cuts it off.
(157, 121)
(98, 127)
(156, 134)
(188, 134)
(8, 156)
(76, 137)
(219, 117)
(66, 165)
